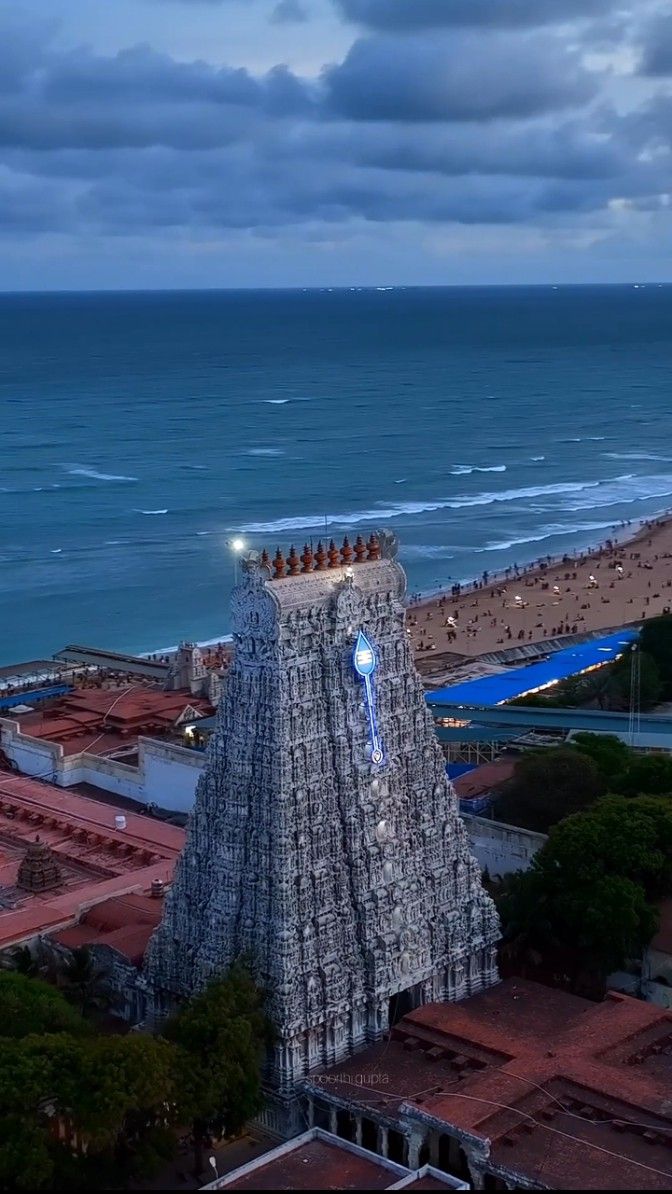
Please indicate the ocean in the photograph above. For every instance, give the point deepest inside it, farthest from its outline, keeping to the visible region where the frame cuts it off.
(142, 431)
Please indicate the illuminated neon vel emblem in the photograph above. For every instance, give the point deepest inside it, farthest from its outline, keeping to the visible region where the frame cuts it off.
(364, 659)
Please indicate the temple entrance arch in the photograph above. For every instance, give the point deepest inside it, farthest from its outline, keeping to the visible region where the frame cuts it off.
(404, 1002)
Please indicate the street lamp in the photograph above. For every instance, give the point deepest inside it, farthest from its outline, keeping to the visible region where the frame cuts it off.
(237, 547)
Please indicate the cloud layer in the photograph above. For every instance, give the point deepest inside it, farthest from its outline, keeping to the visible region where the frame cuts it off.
(434, 14)
(441, 112)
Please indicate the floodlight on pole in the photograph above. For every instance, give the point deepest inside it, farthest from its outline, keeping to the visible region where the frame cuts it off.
(237, 547)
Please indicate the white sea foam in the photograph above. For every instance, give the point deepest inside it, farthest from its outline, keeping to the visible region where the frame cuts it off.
(537, 458)
(583, 439)
(275, 401)
(427, 551)
(547, 532)
(637, 456)
(399, 509)
(612, 491)
(264, 452)
(462, 470)
(80, 471)
(624, 491)
(151, 511)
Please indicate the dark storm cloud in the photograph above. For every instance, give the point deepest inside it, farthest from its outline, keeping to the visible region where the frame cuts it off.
(289, 12)
(497, 127)
(448, 77)
(141, 98)
(539, 150)
(141, 75)
(406, 15)
(656, 47)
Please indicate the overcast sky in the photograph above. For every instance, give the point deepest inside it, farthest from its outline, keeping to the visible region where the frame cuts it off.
(160, 143)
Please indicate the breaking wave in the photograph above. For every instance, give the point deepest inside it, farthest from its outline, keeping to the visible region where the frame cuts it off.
(80, 471)
(584, 439)
(463, 470)
(637, 456)
(547, 532)
(612, 491)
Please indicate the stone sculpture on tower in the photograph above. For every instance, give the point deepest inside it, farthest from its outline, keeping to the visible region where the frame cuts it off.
(325, 844)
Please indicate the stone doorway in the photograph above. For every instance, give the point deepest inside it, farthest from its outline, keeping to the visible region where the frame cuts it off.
(404, 1002)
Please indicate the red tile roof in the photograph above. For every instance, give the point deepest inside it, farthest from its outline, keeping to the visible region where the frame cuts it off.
(97, 860)
(569, 1094)
(317, 1166)
(103, 720)
(482, 780)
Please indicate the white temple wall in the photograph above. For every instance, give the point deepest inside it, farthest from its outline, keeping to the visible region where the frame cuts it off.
(499, 848)
(166, 774)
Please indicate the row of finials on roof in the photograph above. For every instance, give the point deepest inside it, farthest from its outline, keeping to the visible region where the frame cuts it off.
(321, 560)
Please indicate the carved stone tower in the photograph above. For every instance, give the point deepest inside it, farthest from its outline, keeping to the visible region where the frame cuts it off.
(325, 843)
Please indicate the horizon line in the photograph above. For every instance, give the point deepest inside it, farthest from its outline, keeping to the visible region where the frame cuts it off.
(342, 287)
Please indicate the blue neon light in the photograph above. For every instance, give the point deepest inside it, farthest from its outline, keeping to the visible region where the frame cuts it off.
(365, 657)
(365, 663)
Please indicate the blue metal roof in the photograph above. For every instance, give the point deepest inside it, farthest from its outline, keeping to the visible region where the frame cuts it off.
(516, 682)
(34, 695)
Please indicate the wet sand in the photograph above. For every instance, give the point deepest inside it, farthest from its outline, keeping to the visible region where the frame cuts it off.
(623, 581)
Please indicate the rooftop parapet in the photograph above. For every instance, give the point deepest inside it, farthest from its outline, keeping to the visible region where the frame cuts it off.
(321, 559)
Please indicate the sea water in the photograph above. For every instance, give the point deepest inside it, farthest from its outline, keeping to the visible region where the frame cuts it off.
(141, 432)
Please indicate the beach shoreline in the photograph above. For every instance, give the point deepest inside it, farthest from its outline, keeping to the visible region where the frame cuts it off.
(622, 532)
(620, 581)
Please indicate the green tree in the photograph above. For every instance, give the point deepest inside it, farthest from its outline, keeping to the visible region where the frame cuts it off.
(25, 1161)
(547, 786)
(119, 1093)
(655, 639)
(28, 1005)
(84, 982)
(590, 889)
(645, 775)
(222, 1035)
(619, 689)
(610, 753)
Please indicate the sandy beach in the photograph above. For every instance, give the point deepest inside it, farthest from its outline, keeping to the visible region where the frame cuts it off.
(624, 580)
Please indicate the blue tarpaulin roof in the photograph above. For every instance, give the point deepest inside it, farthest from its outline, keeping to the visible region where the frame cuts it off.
(516, 682)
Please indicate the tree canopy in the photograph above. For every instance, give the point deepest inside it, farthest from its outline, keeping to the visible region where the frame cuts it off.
(590, 889)
(609, 687)
(655, 639)
(645, 775)
(549, 785)
(28, 1005)
(222, 1036)
(610, 753)
(122, 1094)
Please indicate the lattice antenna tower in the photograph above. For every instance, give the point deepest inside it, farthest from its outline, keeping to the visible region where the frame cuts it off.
(634, 720)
